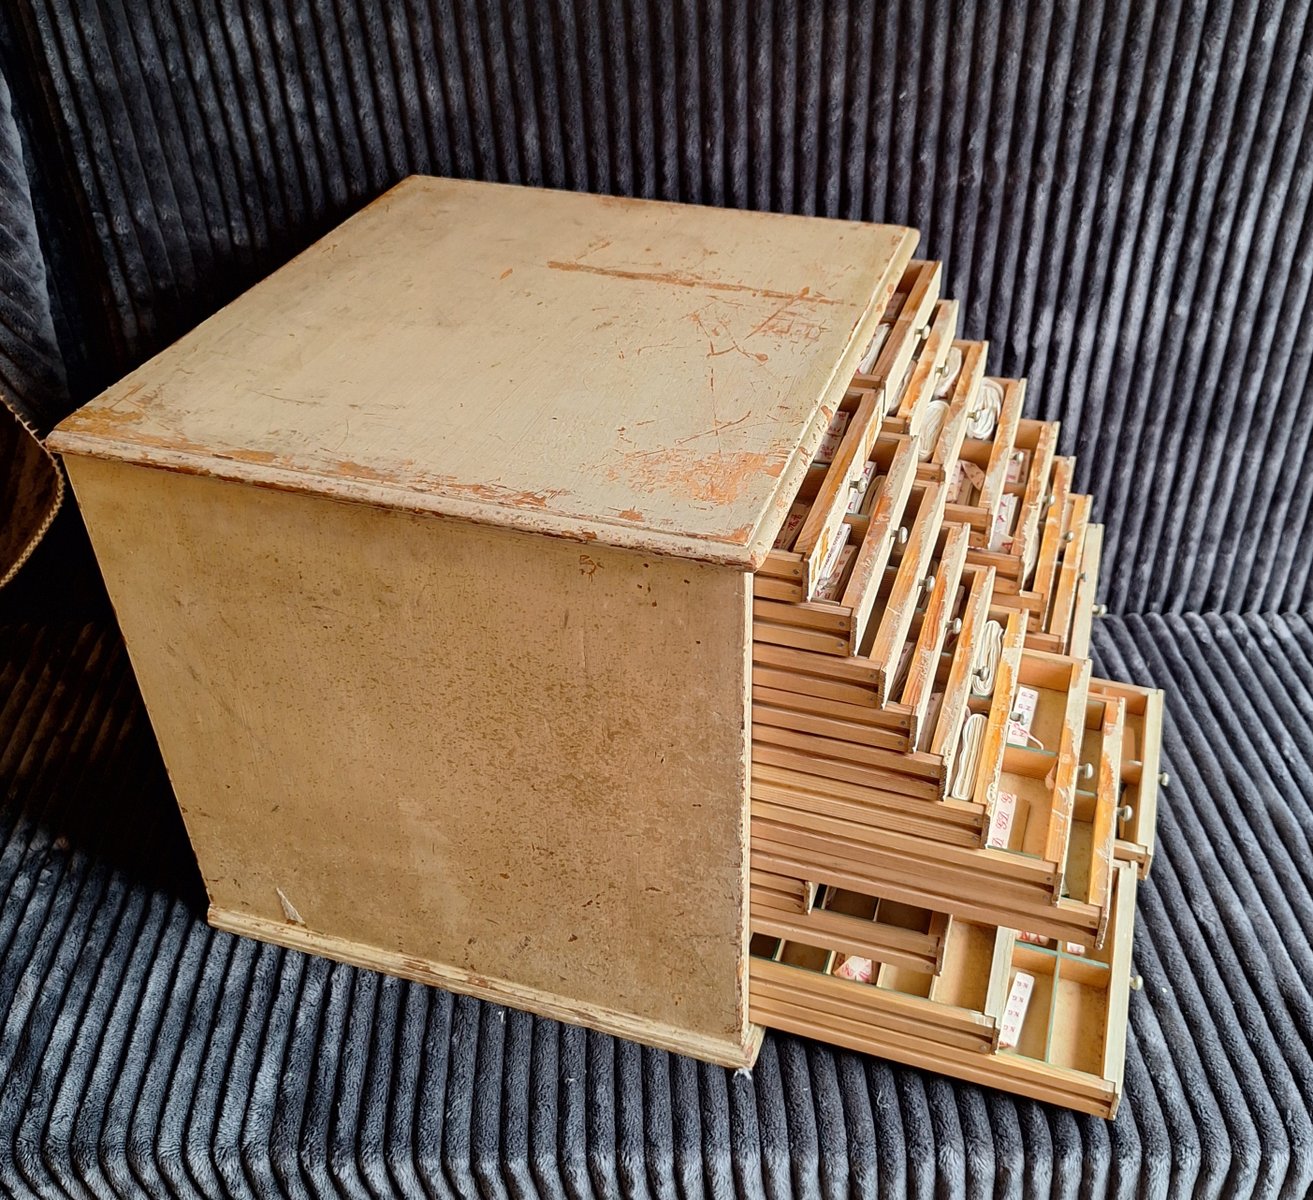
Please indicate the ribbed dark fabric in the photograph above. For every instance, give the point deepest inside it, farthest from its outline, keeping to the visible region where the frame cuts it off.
(142, 1053)
(1121, 193)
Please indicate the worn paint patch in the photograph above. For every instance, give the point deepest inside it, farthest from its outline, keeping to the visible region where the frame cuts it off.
(684, 279)
(716, 478)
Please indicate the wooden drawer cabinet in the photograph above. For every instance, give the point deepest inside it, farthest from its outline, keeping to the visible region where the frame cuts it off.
(535, 594)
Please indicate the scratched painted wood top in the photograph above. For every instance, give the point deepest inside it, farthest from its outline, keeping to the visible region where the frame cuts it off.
(645, 374)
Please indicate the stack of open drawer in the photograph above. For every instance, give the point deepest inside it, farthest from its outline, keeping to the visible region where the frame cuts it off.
(949, 813)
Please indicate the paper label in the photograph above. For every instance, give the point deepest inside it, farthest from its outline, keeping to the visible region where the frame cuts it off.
(1017, 466)
(1014, 1012)
(832, 584)
(833, 436)
(1023, 716)
(859, 970)
(1075, 948)
(1002, 527)
(1000, 824)
(792, 525)
(1035, 939)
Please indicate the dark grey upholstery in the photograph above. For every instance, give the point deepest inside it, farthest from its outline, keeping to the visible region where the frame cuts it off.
(1121, 195)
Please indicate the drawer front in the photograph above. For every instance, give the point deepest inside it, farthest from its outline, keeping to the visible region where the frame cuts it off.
(941, 729)
(1012, 547)
(935, 626)
(1084, 607)
(1140, 770)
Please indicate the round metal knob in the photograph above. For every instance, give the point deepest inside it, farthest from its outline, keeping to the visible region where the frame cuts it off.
(1126, 812)
(1137, 982)
(1100, 610)
(1069, 536)
(955, 627)
(1018, 456)
(1164, 779)
(902, 535)
(1082, 577)
(1049, 502)
(983, 671)
(1087, 771)
(928, 582)
(923, 332)
(858, 485)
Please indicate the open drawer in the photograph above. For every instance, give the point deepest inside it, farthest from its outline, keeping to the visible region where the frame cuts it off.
(1012, 543)
(887, 359)
(977, 481)
(808, 985)
(835, 620)
(1140, 769)
(949, 409)
(929, 370)
(1044, 1018)
(813, 534)
(1070, 1048)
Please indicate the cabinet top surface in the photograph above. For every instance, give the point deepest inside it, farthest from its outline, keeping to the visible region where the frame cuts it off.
(639, 373)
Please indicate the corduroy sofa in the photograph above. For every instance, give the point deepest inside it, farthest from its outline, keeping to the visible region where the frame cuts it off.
(1121, 195)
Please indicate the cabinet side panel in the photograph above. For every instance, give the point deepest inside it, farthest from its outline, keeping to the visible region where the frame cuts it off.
(518, 761)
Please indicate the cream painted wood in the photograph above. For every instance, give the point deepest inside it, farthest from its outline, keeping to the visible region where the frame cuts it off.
(645, 374)
(512, 765)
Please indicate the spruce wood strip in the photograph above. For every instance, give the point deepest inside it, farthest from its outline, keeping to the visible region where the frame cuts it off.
(924, 663)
